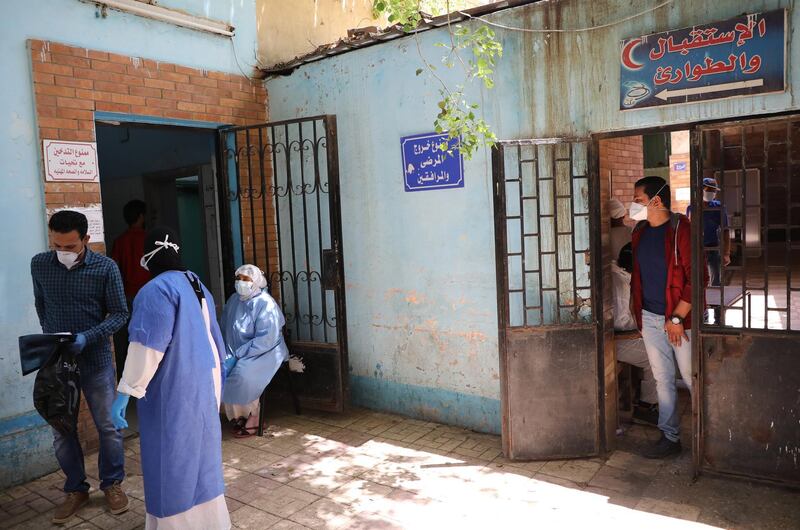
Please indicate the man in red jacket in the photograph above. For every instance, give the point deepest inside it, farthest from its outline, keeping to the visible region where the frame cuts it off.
(661, 296)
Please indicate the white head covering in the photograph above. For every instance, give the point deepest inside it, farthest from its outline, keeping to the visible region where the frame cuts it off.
(255, 274)
(617, 208)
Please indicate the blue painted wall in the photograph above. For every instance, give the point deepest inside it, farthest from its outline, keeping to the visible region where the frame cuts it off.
(24, 443)
(421, 294)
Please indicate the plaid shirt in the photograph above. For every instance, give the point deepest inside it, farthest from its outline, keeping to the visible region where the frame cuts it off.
(88, 299)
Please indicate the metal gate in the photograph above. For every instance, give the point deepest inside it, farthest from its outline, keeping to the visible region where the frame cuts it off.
(747, 355)
(280, 186)
(547, 326)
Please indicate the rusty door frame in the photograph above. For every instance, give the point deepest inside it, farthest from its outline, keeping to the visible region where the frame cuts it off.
(696, 195)
(501, 266)
(701, 330)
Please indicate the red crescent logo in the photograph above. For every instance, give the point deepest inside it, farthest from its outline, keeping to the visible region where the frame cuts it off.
(627, 54)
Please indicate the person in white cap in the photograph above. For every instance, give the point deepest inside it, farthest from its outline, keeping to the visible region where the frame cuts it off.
(620, 234)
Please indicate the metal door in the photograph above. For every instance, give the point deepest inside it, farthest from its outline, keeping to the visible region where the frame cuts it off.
(548, 331)
(281, 190)
(747, 354)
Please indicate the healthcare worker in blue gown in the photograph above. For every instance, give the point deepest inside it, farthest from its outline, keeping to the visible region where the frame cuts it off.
(174, 369)
(252, 325)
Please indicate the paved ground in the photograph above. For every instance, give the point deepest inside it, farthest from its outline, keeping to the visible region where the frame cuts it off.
(368, 470)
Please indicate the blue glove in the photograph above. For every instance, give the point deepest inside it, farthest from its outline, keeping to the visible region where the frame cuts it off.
(230, 361)
(118, 411)
(80, 343)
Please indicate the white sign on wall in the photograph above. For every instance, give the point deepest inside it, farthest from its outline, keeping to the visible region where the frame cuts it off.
(70, 161)
(94, 215)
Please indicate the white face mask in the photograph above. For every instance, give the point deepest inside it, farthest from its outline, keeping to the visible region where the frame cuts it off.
(244, 288)
(67, 259)
(638, 212)
(709, 196)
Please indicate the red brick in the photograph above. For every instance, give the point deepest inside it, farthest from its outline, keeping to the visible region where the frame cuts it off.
(70, 60)
(76, 103)
(117, 58)
(130, 100)
(180, 114)
(62, 187)
(188, 71)
(86, 125)
(101, 96)
(147, 92)
(50, 68)
(77, 136)
(43, 78)
(40, 56)
(47, 112)
(53, 198)
(94, 54)
(171, 76)
(108, 86)
(219, 76)
(219, 110)
(107, 106)
(58, 123)
(192, 107)
(74, 114)
(53, 90)
(166, 67)
(74, 82)
(203, 81)
(93, 187)
(176, 95)
(208, 100)
(159, 83)
(146, 111)
(161, 103)
(109, 67)
(48, 134)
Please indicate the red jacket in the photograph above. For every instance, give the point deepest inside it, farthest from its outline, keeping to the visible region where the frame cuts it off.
(679, 267)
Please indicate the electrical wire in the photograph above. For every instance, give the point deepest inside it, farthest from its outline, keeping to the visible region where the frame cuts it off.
(238, 65)
(576, 30)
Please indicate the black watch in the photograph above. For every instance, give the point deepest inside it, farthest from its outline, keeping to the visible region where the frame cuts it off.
(675, 319)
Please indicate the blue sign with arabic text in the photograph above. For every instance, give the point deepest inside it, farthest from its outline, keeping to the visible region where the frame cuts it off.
(427, 167)
(741, 56)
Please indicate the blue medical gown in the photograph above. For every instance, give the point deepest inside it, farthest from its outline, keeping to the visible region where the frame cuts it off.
(179, 423)
(253, 334)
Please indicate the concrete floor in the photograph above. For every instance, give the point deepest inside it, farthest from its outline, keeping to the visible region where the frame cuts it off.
(364, 469)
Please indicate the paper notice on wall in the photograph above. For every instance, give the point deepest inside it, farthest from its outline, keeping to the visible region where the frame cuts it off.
(683, 194)
(70, 161)
(94, 215)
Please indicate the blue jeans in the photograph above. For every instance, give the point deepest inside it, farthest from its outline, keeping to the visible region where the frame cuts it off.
(663, 356)
(99, 390)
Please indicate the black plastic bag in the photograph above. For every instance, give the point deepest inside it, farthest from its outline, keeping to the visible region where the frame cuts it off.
(35, 350)
(56, 392)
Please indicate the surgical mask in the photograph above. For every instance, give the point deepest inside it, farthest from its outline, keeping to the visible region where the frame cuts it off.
(159, 245)
(709, 196)
(68, 259)
(638, 212)
(244, 288)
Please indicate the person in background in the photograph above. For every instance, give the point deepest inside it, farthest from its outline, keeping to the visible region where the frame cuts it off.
(127, 251)
(80, 292)
(715, 231)
(620, 233)
(632, 351)
(252, 325)
(174, 369)
(661, 291)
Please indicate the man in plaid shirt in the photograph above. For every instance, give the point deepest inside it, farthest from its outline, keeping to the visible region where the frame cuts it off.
(81, 292)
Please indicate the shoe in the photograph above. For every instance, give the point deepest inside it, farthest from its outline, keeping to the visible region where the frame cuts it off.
(664, 448)
(646, 414)
(116, 499)
(74, 501)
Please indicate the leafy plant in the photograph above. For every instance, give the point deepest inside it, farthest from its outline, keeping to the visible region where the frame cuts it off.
(457, 116)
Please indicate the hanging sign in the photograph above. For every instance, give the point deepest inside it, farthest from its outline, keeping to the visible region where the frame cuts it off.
(70, 161)
(94, 216)
(427, 167)
(741, 56)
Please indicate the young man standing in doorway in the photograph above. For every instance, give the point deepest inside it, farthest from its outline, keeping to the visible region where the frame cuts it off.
(661, 295)
(80, 292)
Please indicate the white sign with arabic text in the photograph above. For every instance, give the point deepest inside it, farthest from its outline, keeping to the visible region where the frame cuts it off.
(70, 161)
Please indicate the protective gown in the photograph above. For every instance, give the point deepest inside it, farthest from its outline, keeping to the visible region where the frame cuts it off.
(174, 369)
(253, 334)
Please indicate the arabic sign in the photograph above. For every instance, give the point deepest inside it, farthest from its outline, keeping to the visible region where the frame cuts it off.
(741, 56)
(70, 161)
(94, 215)
(427, 167)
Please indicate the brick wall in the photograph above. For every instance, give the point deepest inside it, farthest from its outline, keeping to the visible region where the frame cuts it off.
(624, 158)
(71, 83)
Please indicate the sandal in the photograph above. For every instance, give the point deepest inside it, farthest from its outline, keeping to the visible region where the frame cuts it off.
(247, 432)
(237, 425)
